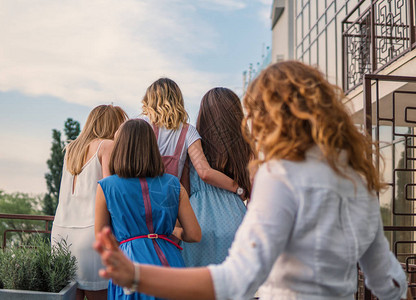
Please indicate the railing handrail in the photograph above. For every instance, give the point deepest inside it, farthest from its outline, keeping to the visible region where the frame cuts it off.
(27, 217)
(45, 218)
(360, 16)
(390, 77)
(353, 10)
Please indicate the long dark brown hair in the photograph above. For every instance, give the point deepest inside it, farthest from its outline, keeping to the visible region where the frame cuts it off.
(135, 152)
(219, 124)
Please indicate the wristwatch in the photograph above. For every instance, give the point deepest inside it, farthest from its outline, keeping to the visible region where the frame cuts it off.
(239, 191)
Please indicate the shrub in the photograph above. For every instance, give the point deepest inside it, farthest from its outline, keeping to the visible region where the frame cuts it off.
(37, 267)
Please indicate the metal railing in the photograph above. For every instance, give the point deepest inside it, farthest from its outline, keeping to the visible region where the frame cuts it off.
(403, 218)
(46, 229)
(374, 34)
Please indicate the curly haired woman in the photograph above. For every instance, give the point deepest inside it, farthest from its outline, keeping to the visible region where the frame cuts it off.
(313, 213)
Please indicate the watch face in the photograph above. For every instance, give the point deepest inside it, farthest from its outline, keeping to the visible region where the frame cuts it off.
(240, 191)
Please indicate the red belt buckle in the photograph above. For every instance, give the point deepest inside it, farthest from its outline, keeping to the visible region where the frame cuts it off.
(152, 236)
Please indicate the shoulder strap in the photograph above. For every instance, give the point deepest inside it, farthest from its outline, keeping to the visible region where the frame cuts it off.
(147, 204)
(181, 141)
(156, 131)
(149, 220)
(99, 146)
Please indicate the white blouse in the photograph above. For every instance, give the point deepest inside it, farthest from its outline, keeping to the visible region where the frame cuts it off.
(305, 229)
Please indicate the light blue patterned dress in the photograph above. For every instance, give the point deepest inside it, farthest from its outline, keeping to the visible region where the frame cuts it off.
(219, 213)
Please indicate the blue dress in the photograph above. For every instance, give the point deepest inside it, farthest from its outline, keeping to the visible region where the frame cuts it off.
(126, 206)
(219, 213)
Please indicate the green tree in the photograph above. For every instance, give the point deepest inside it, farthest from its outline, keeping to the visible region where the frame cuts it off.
(55, 164)
(19, 203)
(71, 129)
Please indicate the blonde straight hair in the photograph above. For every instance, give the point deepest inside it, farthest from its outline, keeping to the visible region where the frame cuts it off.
(102, 123)
(163, 104)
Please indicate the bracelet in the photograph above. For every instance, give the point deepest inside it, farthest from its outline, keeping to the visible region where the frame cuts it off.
(136, 280)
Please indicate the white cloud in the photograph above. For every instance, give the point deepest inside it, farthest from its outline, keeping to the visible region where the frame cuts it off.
(223, 4)
(90, 52)
(265, 12)
(266, 2)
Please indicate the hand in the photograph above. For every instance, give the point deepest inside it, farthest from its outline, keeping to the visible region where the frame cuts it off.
(118, 267)
(177, 234)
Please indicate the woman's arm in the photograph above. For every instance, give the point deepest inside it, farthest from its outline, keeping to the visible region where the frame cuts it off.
(185, 180)
(205, 172)
(171, 283)
(190, 231)
(102, 216)
(386, 280)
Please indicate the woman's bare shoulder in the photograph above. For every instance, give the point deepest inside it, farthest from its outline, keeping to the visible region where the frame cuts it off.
(106, 147)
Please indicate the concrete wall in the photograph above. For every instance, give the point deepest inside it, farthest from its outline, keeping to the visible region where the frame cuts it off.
(283, 32)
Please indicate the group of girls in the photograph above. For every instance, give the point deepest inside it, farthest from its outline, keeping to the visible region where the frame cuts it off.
(145, 168)
(313, 213)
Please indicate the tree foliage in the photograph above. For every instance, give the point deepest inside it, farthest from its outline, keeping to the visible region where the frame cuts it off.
(55, 164)
(71, 129)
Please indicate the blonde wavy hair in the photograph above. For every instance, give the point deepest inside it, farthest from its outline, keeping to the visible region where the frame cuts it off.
(163, 104)
(292, 107)
(102, 123)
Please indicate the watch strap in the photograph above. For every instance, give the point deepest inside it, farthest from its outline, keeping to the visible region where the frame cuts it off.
(136, 279)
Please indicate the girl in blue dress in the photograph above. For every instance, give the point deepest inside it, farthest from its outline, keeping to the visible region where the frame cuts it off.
(141, 203)
(219, 212)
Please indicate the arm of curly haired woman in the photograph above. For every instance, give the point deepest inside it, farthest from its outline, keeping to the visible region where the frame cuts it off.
(172, 283)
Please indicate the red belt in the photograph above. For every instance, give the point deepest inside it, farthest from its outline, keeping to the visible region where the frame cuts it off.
(152, 236)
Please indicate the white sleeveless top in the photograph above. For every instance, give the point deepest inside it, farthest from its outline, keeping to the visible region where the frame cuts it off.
(78, 209)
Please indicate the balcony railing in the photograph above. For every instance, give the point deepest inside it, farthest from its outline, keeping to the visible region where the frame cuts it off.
(374, 34)
(22, 217)
(254, 71)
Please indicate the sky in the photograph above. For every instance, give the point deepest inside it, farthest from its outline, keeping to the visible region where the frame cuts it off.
(60, 59)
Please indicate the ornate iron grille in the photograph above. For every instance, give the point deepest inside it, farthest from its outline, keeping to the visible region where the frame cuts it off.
(398, 123)
(379, 35)
(357, 41)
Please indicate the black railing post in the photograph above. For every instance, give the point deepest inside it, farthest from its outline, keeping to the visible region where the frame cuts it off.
(411, 7)
(344, 59)
(373, 48)
(368, 112)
